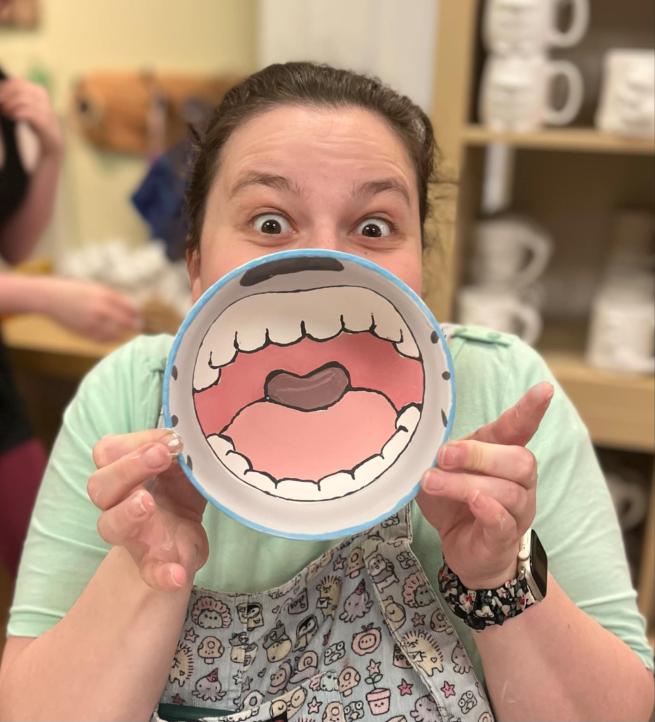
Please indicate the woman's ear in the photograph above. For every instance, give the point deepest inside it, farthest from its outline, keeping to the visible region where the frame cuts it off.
(193, 269)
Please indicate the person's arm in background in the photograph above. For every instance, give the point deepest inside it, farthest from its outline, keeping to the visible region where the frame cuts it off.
(108, 619)
(85, 307)
(554, 662)
(23, 101)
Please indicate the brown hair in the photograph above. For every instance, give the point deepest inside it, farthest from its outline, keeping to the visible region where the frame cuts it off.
(305, 84)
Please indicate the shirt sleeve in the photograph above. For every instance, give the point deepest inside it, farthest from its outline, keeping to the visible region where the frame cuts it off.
(63, 549)
(575, 518)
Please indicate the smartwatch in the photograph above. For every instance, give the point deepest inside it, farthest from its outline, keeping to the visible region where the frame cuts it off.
(482, 608)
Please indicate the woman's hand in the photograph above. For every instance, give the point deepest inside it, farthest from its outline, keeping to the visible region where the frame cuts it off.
(89, 308)
(481, 498)
(21, 100)
(149, 507)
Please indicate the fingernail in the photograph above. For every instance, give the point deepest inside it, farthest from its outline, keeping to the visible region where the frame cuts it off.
(177, 576)
(431, 481)
(174, 443)
(156, 456)
(139, 507)
(449, 455)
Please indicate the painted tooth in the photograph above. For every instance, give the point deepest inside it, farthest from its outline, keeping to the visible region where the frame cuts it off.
(407, 347)
(298, 490)
(285, 328)
(216, 350)
(355, 308)
(322, 320)
(370, 469)
(337, 484)
(250, 337)
(236, 463)
(396, 445)
(204, 375)
(409, 418)
(387, 324)
(220, 445)
(255, 478)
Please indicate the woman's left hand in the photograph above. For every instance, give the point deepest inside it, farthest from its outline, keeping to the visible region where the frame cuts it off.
(481, 498)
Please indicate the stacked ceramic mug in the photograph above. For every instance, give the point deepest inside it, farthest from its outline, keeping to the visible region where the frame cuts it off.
(518, 75)
(622, 328)
(627, 98)
(510, 254)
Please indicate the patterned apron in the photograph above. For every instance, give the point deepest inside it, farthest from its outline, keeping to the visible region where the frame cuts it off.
(359, 634)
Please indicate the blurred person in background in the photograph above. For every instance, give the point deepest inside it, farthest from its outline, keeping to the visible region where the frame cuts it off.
(28, 188)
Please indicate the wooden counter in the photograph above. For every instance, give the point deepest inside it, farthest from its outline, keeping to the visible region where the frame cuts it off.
(38, 345)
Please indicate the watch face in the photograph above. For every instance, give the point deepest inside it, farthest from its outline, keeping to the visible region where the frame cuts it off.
(538, 564)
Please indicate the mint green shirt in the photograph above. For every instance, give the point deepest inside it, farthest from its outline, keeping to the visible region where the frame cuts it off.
(575, 516)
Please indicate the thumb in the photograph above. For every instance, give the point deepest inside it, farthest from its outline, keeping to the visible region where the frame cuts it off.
(518, 424)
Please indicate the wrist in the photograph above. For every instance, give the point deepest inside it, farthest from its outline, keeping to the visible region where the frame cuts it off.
(21, 293)
(489, 581)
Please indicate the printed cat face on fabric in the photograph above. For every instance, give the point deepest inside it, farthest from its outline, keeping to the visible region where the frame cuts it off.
(282, 376)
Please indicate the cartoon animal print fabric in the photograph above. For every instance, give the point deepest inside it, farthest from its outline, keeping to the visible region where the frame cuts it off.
(357, 635)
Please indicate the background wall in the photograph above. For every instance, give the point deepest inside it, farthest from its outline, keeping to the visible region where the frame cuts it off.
(393, 39)
(75, 36)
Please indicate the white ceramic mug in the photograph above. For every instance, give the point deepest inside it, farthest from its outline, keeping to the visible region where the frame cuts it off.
(622, 329)
(509, 251)
(500, 310)
(515, 93)
(630, 499)
(529, 26)
(627, 98)
(632, 241)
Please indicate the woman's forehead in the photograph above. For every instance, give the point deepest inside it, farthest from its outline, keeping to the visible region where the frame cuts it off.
(305, 139)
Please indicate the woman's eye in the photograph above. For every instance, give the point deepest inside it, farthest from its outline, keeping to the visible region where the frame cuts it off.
(271, 224)
(374, 228)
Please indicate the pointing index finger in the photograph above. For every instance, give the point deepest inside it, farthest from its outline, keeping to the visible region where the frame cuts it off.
(518, 424)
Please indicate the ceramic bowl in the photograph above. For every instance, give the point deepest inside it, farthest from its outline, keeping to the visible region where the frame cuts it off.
(311, 390)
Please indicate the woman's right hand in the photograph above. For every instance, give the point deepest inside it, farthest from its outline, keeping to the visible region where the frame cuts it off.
(149, 507)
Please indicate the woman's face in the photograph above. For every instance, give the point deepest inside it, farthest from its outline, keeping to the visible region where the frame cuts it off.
(304, 177)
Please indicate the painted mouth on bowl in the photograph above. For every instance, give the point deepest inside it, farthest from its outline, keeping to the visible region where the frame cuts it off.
(309, 395)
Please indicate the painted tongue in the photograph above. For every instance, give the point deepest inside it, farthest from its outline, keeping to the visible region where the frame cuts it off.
(288, 443)
(316, 390)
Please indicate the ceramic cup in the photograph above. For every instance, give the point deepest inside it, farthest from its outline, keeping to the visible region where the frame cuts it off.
(627, 98)
(528, 26)
(509, 251)
(629, 497)
(515, 92)
(622, 329)
(500, 310)
(632, 242)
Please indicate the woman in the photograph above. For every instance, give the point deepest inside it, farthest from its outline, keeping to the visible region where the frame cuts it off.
(307, 156)
(28, 185)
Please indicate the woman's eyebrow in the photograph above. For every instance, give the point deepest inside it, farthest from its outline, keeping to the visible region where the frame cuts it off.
(373, 187)
(270, 180)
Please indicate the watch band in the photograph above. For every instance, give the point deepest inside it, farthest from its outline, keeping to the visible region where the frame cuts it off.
(481, 608)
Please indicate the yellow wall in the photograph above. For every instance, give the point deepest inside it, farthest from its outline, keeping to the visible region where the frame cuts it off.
(76, 36)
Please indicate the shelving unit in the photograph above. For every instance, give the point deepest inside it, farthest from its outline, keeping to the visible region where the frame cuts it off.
(595, 173)
(577, 140)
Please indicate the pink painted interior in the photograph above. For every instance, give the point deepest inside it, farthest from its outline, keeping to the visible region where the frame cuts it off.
(372, 363)
(292, 444)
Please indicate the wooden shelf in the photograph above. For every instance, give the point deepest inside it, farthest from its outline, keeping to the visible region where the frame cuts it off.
(618, 408)
(582, 140)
